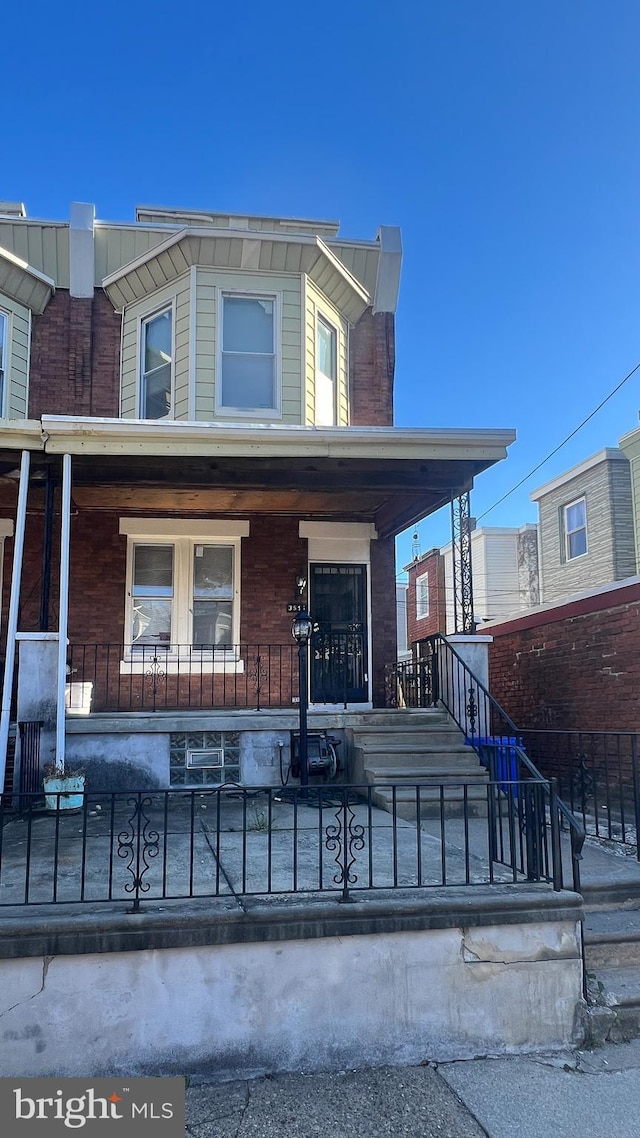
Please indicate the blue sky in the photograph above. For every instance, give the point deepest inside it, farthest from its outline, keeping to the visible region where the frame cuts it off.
(502, 136)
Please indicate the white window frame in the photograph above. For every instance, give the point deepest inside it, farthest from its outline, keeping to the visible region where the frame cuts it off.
(321, 317)
(143, 319)
(184, 536)
(222, 409)
(421, 612)
(5, 339)
(566, 531)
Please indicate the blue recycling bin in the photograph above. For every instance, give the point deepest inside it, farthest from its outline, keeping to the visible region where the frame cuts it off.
(505, 757)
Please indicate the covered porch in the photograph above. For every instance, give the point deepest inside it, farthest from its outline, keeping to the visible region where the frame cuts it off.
(169, 559)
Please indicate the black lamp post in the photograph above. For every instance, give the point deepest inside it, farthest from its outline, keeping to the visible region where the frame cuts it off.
(301, 630)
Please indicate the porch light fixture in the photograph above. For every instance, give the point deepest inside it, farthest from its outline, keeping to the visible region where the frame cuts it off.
(301, 584)
(301, 629)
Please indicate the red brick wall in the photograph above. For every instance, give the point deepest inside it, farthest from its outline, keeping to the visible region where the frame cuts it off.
(575, 666)
(371, 370)
(432, 564)
(75, 357)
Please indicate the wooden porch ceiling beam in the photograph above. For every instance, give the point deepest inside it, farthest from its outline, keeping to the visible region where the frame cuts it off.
(400, 512)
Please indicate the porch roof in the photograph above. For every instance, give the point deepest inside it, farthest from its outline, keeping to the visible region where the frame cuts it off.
(388, 476)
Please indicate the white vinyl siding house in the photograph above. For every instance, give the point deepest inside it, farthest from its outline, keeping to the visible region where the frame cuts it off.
(320, 313)
(135, 318)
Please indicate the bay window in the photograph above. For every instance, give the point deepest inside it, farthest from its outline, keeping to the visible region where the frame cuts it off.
(156, 366)
(247, 358)
(326, 372)
(4, 324)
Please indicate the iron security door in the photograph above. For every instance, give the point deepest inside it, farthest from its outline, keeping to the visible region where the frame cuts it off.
(338, 606)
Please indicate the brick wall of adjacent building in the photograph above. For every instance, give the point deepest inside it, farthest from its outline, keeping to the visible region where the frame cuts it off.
(75, 357)
(431, 563)
(371, 370)
(575, 665)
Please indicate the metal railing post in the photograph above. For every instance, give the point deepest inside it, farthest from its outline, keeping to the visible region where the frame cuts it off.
(556, 848)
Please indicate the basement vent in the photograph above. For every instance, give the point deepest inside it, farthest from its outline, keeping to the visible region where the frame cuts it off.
(206, 759)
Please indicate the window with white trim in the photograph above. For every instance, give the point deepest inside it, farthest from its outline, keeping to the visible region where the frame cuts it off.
(182, 593)
(574, 516)
(4, 326)
(326, 372)
(156, 365)
(247, 358)
(422, 596)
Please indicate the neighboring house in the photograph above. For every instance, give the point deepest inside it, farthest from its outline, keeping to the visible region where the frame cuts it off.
(586, 532)
(402, 589)
(206, 401)
(630, 447)
(505, 579)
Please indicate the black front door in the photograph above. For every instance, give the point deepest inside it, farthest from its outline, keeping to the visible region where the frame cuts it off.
(338, 606)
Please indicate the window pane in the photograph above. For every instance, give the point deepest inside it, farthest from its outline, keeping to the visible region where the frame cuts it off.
(213, 571)
(153, 571)
(157, 393)
(326, 350)
(248, 381)
(578, 543)
(575, 516)
(211, 623)
(248, 325)
(151, 622)
(157, 341)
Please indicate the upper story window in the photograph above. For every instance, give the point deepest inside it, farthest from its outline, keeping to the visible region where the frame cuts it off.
(248, 354)
(156, 366)
(575, 529)
(326, 372)
(422, 596)
(4, 324)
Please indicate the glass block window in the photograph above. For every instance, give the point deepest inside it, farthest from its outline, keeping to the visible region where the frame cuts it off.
(182, 743)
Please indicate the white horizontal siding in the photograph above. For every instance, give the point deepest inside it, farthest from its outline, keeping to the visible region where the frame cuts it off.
(17, 363)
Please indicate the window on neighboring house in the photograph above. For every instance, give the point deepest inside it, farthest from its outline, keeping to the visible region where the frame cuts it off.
(157, 366)
(422, 596)
(182, 594)
(248, 354)
(575, 529)
(4, 324)
(326, 372)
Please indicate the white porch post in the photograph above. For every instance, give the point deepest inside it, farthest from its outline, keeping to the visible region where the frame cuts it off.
(12, 621)
(65, 533)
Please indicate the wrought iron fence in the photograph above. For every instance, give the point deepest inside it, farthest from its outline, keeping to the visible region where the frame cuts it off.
(234, 842)
(598, 777)
(136, 677)
(440, 675)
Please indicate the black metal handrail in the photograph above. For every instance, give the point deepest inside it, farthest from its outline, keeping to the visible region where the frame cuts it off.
(233, 842)
(491, 732)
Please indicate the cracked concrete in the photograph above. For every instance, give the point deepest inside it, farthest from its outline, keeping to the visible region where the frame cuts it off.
(46, 961)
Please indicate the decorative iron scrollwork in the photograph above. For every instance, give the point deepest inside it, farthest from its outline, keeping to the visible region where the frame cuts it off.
(138, 845)
(258, 674)
(472, 712)
(345, 839)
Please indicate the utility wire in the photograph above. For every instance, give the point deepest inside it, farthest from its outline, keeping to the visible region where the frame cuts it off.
(560, 445)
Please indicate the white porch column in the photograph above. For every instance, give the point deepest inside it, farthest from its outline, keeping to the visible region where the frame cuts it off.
(65, 534)
(12, 620)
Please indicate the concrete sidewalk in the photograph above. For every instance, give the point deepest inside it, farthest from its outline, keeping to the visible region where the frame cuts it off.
(576, 1095)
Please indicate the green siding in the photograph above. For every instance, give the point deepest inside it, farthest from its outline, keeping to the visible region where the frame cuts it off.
(209, 282)
(17, 365)
(43, 246)
(178, 294)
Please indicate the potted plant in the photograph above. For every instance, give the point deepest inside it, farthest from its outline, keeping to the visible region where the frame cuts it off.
(63, 788)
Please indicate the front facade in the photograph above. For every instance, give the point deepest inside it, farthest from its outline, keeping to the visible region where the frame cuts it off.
(206, 406)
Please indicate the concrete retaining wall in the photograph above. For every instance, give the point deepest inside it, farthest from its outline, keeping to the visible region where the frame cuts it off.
(306, 1003)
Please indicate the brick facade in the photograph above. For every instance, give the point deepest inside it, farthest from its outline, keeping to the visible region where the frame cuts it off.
(75, 358)
(431, 563)
(371, 370)
(574, 666)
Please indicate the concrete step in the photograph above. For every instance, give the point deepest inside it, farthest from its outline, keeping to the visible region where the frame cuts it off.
(612, 939)
(423, 741)
(451, 802)
(619, 988)
(427, 773)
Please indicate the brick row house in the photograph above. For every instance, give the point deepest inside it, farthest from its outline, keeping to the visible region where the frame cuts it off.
(197, 436)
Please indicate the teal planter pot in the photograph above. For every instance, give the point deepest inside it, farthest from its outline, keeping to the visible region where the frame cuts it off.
(64, 793)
